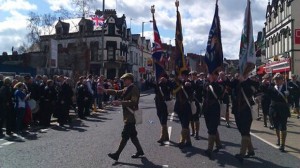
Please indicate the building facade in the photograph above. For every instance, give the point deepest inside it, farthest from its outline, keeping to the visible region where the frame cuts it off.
(78, 45)
(282, 32)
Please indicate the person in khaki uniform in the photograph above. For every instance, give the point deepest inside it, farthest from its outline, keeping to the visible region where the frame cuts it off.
(129, 98)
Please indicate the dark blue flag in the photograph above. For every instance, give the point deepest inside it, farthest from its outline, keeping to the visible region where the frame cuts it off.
(214, 51)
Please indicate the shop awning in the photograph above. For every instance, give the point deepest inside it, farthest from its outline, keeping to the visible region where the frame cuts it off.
(278, 67)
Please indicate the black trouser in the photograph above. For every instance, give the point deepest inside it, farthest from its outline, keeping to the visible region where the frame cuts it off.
(185, 115)
(83, 108)
(46, 112)
(295, 101)
(212, 118)
(1, 120)
(162, 112)
(10, 121)
(243, 121)
(63, 113)
(80, 105)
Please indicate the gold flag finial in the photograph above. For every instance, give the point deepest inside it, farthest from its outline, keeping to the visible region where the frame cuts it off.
(177, 3)
(152, 9)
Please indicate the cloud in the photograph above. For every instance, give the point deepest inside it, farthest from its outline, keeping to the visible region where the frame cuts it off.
(58, 4)
(12, 31)
(196, 17)
(8, 5)
(10, 22)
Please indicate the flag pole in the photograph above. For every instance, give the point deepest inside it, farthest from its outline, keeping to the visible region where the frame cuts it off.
(153, 60)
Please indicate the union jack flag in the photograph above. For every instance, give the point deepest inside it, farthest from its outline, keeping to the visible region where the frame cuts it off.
(157, 53)
(98, 21)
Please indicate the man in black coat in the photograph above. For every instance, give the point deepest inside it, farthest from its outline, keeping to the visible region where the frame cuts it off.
(6, 106)
(294, 87)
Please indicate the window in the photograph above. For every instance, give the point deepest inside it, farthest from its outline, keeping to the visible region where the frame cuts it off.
(59, 31)
(136, 58)
(124, 32)
(111, 29)
(94, 51)
(131, 57)
(81, 28)
(110, 53)
(60, 48)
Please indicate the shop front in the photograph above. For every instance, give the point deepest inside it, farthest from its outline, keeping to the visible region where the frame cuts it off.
(282, 66)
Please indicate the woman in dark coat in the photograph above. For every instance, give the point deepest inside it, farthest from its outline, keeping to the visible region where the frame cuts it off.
(211, 110)
(163, 91)
(184, 96)
(243, 91)
(49, 97)
(266, 100)
(279, 109)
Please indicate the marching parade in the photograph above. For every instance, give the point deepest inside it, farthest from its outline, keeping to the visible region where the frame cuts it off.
(214, 107)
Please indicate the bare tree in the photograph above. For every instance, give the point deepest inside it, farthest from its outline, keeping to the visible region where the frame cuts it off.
(83, 7)
(39, 25)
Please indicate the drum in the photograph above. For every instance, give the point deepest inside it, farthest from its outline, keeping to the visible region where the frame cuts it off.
(33, 105)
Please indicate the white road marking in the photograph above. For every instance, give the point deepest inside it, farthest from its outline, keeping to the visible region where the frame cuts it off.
(256, 136)
(7, 143)
(267, 142)
(167, 144)
(172, 117)
(165, 165)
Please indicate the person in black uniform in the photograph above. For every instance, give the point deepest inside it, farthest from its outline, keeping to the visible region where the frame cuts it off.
(197, 86)
(244, 89)
(6, 106)
(294, 87)
(184, 96)
(211, 109)
(82, 98)
(49, 97)
(279, 109)
(266, 100)
(163, 91)
(64, 101)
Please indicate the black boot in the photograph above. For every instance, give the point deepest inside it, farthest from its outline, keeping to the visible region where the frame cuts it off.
(138, 146)
(115, 156)
(208, 153)
(250, 154)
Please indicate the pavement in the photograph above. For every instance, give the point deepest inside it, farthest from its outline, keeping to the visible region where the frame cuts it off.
(269, 136)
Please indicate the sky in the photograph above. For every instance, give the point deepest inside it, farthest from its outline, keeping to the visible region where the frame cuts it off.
(196, 18)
